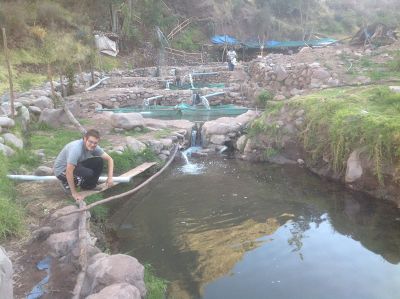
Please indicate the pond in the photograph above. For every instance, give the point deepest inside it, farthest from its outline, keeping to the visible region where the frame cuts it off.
(223, 228)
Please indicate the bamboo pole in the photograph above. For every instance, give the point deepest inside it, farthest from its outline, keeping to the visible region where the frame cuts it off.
(130, 192)
(9, 72)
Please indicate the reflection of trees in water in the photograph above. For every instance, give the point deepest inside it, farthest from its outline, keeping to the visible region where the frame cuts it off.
(218, 250)
(298, 227)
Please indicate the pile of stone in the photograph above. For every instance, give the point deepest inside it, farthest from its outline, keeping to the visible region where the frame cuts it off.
(225, 131)
(180, 131)
(286, 80)
(120, 275)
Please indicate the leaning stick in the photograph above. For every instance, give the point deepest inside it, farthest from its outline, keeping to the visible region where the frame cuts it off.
(82, 235)
(71, 117)
(130, 192)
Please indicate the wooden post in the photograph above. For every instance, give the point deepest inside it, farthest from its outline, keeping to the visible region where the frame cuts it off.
(9, 72)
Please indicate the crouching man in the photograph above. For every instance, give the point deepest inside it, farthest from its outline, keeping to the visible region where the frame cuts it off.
(80, 163)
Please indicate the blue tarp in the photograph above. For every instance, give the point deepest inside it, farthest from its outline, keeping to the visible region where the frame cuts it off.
(271, 44)
(224, 39)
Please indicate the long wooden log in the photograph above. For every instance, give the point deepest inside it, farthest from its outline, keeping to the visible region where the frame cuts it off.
(82, 235)
(130, 192)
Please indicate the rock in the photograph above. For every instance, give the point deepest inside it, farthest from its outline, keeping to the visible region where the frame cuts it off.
(127, 121)
(163, 157)
(42, 233)
(241, 143)
(43, 102)
(6, 273)
(43, 171)
(13, 140)
(219, 139)
(155, 145)
(166, 142)
(395, 89)
(320, 74)
(39, 93)
(333, 82)
(56, 117)
(165, 152)
(135, 145)
(61, 244)
(6, 122)
(279, 97)
(281, 73)
(6, 150)
(113, 269)
(24, 113)
(354, 169)
(35, 110)
(300, 161)
(117, 291)
(314, 65)
(1, 138)
(65, 223)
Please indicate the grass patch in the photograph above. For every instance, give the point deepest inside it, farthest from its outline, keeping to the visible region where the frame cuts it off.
(100, 212)
(156, 287)
(129, 159)
(11, 214)
(134, 132)
(163, 133)
(339, 121)
(23, 159)
(52, 140)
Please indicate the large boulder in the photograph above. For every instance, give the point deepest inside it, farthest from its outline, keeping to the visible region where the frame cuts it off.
(354, 169)
(43, 102)
(61, 244)
(117, 291)
(65, 223)
(127, 121)
(56, 117)
(6, 150)
(13, 140)
(43, 171)
(112, 269)
(135, 145)
(6, 273)
(6, 122)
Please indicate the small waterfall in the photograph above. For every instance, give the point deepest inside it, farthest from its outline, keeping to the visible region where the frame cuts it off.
(191, 81)
(185, 157)
(205, 102)
(194, 135)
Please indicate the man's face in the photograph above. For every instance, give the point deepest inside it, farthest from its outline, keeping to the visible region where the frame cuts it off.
(90, 142)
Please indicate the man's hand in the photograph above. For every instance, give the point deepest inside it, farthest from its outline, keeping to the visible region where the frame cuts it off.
(77, 196)
(110, 182)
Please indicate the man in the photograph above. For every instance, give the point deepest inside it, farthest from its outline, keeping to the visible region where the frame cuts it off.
(80, 163)
(231, 57)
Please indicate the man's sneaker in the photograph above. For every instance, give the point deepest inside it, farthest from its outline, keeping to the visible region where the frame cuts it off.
(65, 187)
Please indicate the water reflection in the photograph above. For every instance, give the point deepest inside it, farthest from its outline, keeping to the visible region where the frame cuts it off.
(203, 232)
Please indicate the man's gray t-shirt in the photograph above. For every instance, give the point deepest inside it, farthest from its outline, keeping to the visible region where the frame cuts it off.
(73, 153)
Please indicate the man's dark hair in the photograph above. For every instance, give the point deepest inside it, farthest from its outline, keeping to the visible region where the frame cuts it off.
(92, 132)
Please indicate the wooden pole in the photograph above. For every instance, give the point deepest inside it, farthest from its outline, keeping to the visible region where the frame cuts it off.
(130, 192)
(9, 72)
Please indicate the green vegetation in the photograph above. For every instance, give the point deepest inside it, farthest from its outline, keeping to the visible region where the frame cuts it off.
(100, 212)
(264, 97)
(52, 140)
(163, 133)
(129, 159)
(156, 287)
(11, 214)
(339, 121)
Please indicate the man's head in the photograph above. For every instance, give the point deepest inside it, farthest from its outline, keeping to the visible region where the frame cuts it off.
(91, 139)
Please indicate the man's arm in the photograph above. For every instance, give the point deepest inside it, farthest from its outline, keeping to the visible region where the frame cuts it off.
(110, 172)
(69, 173)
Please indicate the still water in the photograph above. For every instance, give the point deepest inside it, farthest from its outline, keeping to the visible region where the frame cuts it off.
(232, 229)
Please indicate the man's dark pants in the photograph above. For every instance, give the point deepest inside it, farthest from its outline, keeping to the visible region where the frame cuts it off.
(86, 173)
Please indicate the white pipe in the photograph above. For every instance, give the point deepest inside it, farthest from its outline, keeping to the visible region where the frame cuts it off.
(53, 178)
(205, 74)
(94, 85)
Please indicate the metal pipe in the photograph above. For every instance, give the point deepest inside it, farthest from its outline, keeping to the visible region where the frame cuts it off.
(205, 74)
(96, 84)
(48, 178)
(214, 94)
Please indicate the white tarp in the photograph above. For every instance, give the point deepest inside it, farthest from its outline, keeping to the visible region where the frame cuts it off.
(106, 45)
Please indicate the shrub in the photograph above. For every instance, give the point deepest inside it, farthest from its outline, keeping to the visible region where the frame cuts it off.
(263, 97)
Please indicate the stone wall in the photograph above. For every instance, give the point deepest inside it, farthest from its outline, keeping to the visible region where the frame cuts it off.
(286, 80)
(6, 272)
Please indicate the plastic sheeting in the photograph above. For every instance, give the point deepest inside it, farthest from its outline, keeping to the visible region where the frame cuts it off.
(270, 44)
(40, 289)
(106, 45)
